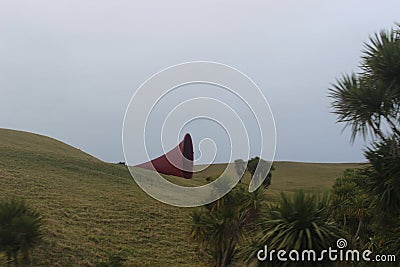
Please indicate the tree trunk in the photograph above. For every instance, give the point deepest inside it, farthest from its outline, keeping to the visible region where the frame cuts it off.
(218, 260)
(360, 221)
(222, 255)
(223, 262)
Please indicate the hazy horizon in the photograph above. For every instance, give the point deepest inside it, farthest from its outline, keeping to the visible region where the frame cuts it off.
(363, 161)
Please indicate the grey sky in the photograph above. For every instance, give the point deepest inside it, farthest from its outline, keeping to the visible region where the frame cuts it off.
(69, 68)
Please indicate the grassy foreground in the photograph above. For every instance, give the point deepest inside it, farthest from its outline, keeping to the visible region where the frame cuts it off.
(93, 209)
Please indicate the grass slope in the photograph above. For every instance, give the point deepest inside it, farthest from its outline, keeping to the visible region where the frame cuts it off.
(93, 209)
(292, 176)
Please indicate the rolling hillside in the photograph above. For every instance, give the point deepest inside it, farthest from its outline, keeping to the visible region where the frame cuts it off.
(93, 209)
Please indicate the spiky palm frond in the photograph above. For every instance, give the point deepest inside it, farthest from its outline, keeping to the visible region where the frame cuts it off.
(20, 228)
(362, 104)
(370, 101)
(381, 57)
(221, 225)
(383, 180)
(298, 223)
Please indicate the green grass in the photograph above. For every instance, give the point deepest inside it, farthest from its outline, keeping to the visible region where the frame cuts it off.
(292, 176)
(92, 209)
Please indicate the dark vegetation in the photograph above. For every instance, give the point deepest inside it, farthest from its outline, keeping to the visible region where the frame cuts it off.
(369, 103)
(363, 205)
(20, 230)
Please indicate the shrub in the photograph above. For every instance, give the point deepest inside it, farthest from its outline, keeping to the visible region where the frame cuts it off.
(20, 230)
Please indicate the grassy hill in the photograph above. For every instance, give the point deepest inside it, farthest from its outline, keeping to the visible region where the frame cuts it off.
(93, 209)
(292, 176)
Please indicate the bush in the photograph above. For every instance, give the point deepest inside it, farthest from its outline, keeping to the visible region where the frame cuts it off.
(20, 230)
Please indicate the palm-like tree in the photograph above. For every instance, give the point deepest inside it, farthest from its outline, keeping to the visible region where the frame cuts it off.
(350, 201)
(260, 170)
(20, 230)
(383, 176)
(221, 225)
(360, 209)
(298, 223)
(218, 232)
(341, 200)
(367, 101)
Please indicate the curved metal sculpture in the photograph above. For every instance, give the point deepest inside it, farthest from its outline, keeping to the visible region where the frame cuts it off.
(178, 161)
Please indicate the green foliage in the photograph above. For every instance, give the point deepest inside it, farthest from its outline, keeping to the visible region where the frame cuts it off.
(383, 185)
(381, 59)
(361, 205)
(301, 222)
(220, 226)
(352, 205)
(20, 229)
(260, 169)
(369, 101)
(383, 176)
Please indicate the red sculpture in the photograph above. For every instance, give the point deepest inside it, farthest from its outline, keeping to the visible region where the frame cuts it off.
(178, 161)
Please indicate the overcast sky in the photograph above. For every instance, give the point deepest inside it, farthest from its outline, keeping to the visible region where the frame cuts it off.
(69, 68)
